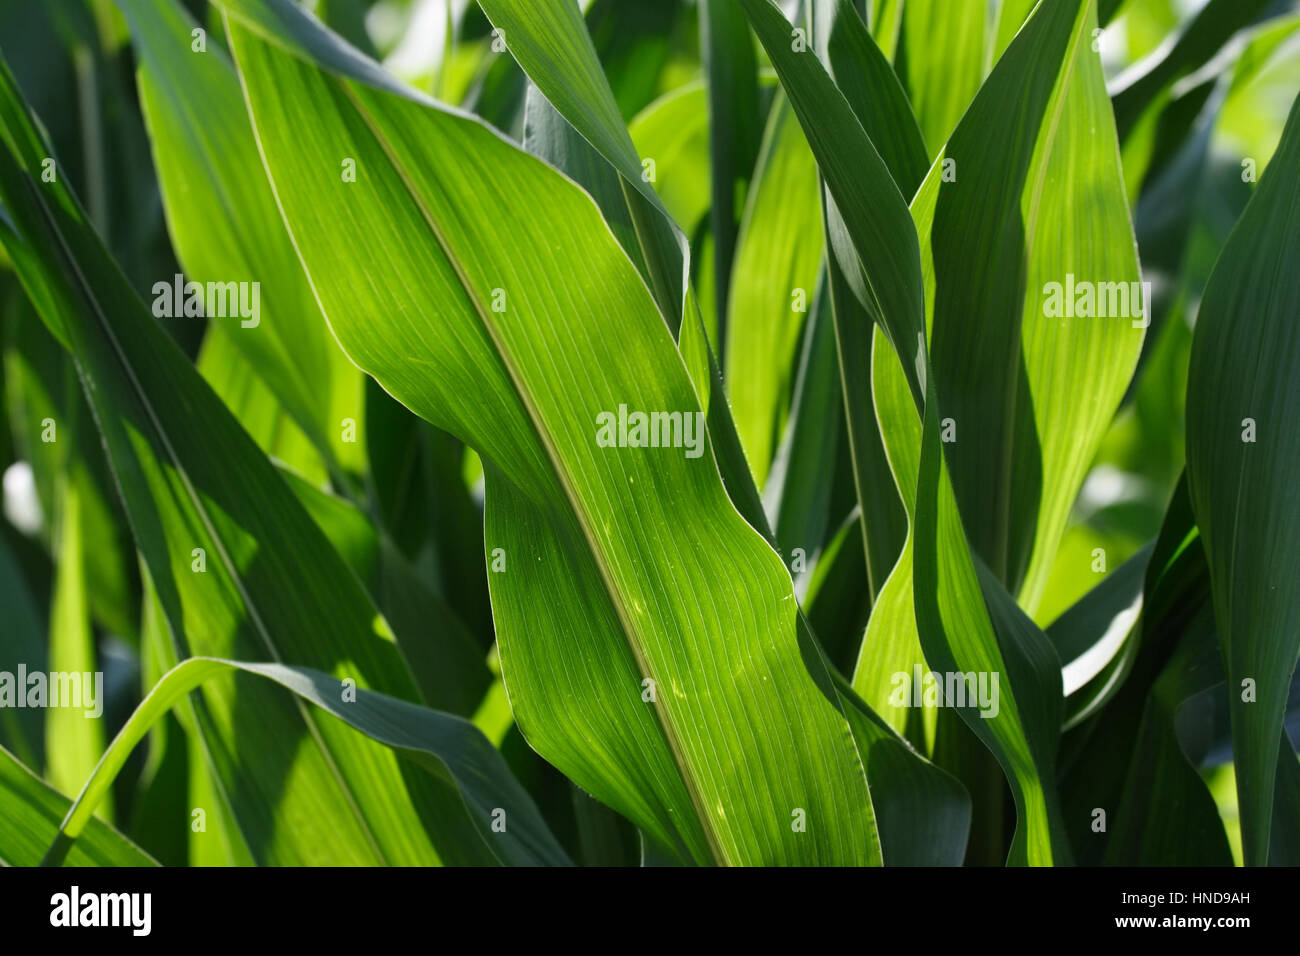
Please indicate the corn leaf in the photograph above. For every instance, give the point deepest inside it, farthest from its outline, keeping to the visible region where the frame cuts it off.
(226, 228)
(735, 126)
(1242, 457)
(494, 806)
(448, 664)
(778, 258)
(591, 603)
(948, 226)
(73, 722)
(943, 62)
(674, 132)
(225, 541)
(32, 810)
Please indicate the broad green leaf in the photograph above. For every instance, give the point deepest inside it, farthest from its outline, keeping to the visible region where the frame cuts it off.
(225, 227)
(1242, 458)
(665, 251)
(31, 810)
(943, 62)
(550, 41)
(778, 258)
(224, 367)
(1017, 200)
(924, 801)
(1053, 352)
(552, 45)
(239, 566)
(449, 748)
(674, 132)
(1017, 382)
(622, 565)
(663, 258)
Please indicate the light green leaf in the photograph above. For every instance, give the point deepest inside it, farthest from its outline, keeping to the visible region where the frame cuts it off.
(225, 227)
(550, 40)
(31, 810)
(778, 258)
(256, 407)
(72, 726)
(239, 566)
(674, 132)
(944, 56)
(622, 564)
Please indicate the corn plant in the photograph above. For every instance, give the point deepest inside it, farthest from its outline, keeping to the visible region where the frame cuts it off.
(649, 432)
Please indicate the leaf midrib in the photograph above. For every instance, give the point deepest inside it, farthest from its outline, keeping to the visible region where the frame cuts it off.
(630, 633)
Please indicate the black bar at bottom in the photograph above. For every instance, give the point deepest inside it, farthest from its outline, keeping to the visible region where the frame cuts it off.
(336, 907)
